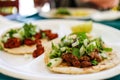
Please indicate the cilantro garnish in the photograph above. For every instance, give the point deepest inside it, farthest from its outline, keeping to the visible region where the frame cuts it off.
(29, 30)
(94, 62)
(49, 64)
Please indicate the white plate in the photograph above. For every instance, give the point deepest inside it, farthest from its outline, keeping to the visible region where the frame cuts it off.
(19, 67)
(73, 11)
(106, 15)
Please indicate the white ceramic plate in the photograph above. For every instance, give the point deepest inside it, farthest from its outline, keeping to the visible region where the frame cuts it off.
(20, 67)
(76, 13)
(106, 15)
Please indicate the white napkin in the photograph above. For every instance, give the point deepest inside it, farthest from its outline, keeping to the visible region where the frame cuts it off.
(106, 16)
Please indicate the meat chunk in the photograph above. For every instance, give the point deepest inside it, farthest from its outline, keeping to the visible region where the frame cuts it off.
(38, 42)
(52, 36)
(38, 52)
(98, 58)
(85, 58)
(37, 36)
(71, 59)
(47, 32)
(66, 57)
(95, 55)
(86, 64)
(76, 63)
(12, 43)
(29, 42)
(85, 61)
(39, 49)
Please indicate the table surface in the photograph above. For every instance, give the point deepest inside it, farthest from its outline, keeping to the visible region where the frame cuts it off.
(17, 17)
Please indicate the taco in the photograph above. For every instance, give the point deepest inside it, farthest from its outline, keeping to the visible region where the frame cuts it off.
(23, 40)
(79, 54)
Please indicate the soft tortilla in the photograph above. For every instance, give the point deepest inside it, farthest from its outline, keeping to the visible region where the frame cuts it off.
(24, 49)
(112, 61)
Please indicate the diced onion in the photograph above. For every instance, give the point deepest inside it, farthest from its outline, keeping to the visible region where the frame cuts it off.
(55, 62)
(4, 39)
(75, 43)
(86, 42)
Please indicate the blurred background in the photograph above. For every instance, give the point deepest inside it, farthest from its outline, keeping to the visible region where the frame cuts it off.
(29, 7)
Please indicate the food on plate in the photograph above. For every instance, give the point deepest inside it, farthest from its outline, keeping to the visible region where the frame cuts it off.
(78, 53)
(69, 12)
(84, 27)
(62, 12)
(39, 49)
(23, 40)
(82, 13)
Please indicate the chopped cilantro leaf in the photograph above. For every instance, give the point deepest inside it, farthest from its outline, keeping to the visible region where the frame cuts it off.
(90, 48)
(63, 38)
(99, 43)
(49, 64)
(94, 62)
(75, 52)
(81, 37)
(11, 32)
(29, 30)
(68, 50)
(54, 47)
(107, 49)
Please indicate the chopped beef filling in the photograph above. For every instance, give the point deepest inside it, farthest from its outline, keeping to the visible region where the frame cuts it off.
(12, 43)
(38, 36)
(86, 64)
(52, 36)
(85, 58)
(29, 42)
(49, 34)
(95, 55)
(71, 59)
(39, 49)
(84, 61)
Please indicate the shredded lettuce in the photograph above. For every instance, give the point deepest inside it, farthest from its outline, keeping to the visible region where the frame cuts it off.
(55, 52)
(54, 47)
(99, 43)
(75, 52)
(11, 32)
(91, 47)
(79, 46)
(29, 30)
